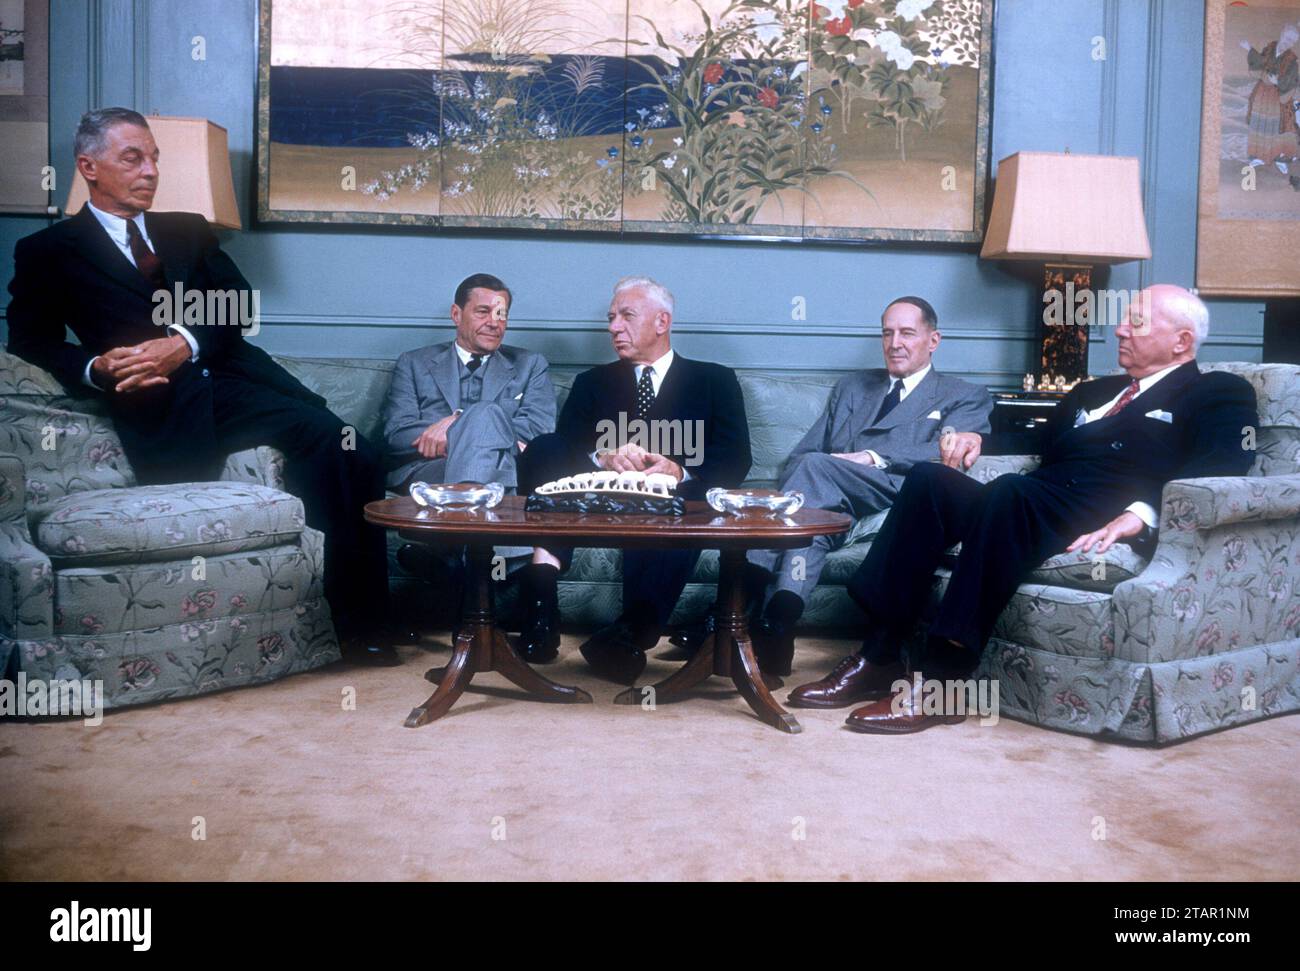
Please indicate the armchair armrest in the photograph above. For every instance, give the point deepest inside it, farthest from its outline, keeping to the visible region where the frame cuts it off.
(13, 489)
(26, 586)
(1223, 572)
(989, 467)
(262, 465)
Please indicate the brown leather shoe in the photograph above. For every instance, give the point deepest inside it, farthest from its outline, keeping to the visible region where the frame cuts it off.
(904, 715)
(853, 680)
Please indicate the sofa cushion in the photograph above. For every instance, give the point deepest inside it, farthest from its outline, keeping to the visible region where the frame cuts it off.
(167, 522)
(1076, 570)
(99, 600)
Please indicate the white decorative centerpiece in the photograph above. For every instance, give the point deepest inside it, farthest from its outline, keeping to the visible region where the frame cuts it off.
(632, 483)
(605, 491)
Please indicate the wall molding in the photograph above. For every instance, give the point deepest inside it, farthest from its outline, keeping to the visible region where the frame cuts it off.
(578, 325)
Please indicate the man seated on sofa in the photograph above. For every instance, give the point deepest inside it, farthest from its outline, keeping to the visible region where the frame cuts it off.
(464, 410)
(648, 383)
(1108, 449)
(184, 397)
(877, 424)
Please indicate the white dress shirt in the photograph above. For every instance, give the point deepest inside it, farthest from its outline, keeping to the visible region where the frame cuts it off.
(909, 385)
(1142, 510)
(465, 356)
(657, 370)
(115, 226)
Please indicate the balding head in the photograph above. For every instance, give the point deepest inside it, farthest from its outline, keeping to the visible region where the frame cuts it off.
(1164, 326)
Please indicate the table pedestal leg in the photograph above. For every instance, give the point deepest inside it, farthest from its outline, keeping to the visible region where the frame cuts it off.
(727, 652)
(482, 646)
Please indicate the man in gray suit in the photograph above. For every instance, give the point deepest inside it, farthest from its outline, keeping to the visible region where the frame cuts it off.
(462, 411)
(876, 426)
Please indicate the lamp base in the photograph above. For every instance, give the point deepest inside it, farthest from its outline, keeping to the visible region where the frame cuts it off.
(1063, 328)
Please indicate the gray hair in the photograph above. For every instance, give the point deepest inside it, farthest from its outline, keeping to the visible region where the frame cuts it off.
(654, 290)
(1190, 311)
(94, 125)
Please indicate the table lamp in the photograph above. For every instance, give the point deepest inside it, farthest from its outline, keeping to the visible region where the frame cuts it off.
(1068, 212)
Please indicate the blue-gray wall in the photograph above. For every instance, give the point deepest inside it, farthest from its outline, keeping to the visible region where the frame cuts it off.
(375, 293)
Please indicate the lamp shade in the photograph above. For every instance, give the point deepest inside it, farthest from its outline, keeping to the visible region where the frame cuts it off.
(1051, 206)
(193, 172)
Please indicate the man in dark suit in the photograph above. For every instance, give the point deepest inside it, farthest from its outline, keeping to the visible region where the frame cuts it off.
(675, 397)
(183, 396)
(1107, 451)
(877, 425)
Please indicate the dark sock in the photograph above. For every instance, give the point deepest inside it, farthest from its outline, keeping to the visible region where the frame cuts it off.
(785, 608)
(879, 647)
(540, 580)
(945, 661)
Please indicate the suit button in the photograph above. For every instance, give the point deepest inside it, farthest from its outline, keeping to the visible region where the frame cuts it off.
(205, 373)
(1115, 445)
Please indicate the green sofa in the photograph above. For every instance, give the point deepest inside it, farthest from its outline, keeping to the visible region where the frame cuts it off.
(1203, 636)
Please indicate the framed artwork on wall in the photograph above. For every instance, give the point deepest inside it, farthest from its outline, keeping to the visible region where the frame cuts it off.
(1248, 212)
(839, 119)
(24, 107)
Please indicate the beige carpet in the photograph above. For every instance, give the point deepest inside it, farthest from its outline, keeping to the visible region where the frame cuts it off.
(291, 786)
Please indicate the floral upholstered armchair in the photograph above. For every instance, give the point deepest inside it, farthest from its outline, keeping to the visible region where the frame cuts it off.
(157, 591)
(1204, 635)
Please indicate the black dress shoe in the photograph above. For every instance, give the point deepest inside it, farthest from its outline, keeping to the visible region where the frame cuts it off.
(539, 641)
(688, 638)
(617, 652)
(773, 646)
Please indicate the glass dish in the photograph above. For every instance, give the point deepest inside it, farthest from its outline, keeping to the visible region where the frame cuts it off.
(755, 502)
(460, 495)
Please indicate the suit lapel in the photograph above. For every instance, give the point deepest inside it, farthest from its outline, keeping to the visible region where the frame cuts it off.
(173, 270)
(446, 375)
(497, 372)
(96, 247)
(916, 404)
(1165, 389)
(669, 387)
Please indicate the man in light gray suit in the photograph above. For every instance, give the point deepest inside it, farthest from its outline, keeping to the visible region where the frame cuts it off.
(876, 426)
(464, 410)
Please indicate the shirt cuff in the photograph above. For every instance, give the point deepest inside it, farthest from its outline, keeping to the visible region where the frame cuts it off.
(189, 339)
(1144, 512)
(686, 474)
(594, 460)
(85, 375)
(875, 457)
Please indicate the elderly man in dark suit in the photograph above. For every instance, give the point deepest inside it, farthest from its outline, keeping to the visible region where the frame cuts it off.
(649, 382)
(184, 396)
(1107, 451)
(877, 425)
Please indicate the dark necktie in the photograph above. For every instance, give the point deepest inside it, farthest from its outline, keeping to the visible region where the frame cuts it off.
(474, 363)
(1129, 394)
(146, 261)
(645, 392)
(891, 400)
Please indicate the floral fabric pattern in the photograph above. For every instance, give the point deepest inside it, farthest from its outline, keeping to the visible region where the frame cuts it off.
(167, 522)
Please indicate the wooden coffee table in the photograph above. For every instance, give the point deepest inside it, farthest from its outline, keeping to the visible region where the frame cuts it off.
(482, 646)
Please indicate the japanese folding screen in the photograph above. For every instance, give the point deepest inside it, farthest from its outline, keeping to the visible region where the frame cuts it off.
(841, 119)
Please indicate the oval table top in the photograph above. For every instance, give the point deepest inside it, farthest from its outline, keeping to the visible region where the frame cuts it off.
(510, 525)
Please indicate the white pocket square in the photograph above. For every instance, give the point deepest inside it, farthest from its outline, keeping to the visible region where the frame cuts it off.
(1160, 415)
(519, 395)
(935, 415)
